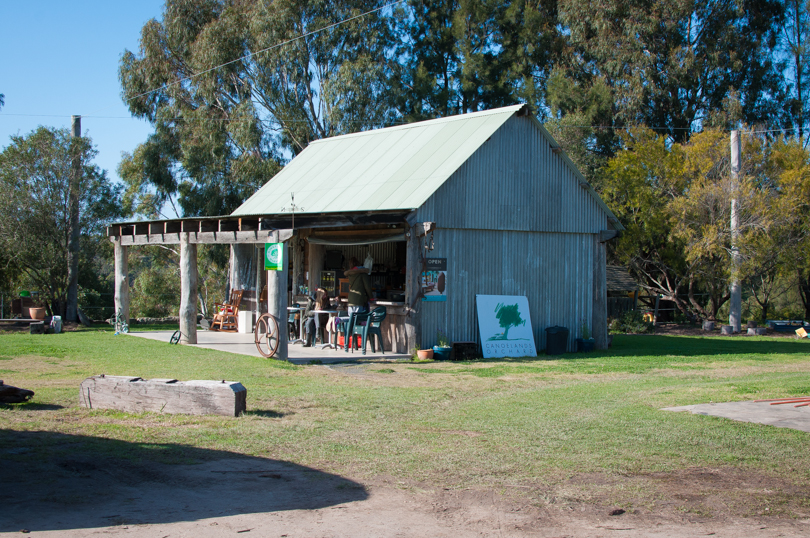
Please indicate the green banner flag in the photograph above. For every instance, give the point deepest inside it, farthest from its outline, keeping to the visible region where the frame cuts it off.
(274, 256)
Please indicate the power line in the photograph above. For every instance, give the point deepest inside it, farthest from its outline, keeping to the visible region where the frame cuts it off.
(393, 123)
(271, 47)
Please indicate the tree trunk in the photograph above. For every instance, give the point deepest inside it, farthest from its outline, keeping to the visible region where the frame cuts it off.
(804, 293)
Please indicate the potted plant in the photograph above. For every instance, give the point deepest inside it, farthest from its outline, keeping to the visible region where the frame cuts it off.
(423, 354)
(586, 342)
(441, 351)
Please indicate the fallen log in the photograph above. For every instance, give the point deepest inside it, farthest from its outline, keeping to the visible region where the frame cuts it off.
(137, 395)
(9, 394)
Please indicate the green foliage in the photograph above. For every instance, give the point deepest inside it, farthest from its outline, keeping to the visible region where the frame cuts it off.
(35, 171)
(221, 135)
(584, 331)
(631, 322)
(155, 292)
(461, 56)
(441, 339)
(675, 203)
(670, 64)
(527, 421)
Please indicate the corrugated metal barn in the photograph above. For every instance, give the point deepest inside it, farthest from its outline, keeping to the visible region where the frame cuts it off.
(490, 192)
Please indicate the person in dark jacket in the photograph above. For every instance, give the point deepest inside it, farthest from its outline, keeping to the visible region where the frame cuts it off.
(359, 292)
(359, 287)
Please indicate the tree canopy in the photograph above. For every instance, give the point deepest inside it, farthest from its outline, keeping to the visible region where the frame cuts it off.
(675, 202)
(639, 94)
(35, 172)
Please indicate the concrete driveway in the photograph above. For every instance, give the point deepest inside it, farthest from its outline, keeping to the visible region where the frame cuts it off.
(244, 345)
(781, 416)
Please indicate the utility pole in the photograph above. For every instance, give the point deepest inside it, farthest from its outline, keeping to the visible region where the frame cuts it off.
(71, 310)
(735, 306)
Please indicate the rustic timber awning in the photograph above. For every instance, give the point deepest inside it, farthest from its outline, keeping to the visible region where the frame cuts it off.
(244, 229)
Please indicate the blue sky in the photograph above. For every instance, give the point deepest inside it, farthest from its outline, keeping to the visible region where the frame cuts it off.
(61, 58)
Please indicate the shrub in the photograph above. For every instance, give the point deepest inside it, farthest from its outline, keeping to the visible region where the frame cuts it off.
(631, 322)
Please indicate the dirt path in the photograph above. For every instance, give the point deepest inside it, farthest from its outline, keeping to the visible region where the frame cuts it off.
(81, 497)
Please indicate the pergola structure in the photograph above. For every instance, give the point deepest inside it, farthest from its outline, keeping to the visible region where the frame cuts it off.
(229, 230)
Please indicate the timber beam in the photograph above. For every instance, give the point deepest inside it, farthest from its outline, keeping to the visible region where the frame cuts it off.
(224, 238)
(230, 230)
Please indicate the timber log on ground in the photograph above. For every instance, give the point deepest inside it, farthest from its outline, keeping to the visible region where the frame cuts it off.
(136, 395)
(9, 394)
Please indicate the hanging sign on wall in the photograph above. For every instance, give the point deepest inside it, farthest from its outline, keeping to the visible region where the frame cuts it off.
(434, 280)
(274, 256)
(505, 326)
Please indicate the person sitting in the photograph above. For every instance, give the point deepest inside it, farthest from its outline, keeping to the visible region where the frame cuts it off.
(314, 323)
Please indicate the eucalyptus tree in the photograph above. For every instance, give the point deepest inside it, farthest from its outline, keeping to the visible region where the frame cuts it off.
(461, 56)
(675, 66)
(675, 203)
(795, 35)
(35, 178)
(234, 88)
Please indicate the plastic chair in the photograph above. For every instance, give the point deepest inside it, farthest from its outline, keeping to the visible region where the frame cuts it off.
(372, 328)
(357, 326)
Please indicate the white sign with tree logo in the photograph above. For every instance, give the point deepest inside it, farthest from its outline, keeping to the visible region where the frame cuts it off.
(505, 326)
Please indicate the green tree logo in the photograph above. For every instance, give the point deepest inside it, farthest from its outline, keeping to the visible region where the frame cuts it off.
(508, 316)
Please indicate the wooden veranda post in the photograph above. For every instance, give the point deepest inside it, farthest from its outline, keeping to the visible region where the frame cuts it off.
(188, 290)
(121, 280)
(413, 286)
(277, 300)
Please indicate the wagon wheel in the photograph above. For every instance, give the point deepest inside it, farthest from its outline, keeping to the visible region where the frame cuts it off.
(266, 335)
(175, 338)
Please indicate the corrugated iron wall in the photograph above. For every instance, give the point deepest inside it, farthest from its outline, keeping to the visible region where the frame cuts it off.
(515, 182)
(554, 270)
(514, 220)
(385, 253)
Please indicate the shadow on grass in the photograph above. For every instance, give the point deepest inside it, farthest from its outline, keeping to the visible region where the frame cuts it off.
(56, 481)
(642, 345)
(265, 413)
(32, 406)
(687, 346)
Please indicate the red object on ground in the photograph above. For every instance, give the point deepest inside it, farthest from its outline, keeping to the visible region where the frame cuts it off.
(358, 340)
(802, 401)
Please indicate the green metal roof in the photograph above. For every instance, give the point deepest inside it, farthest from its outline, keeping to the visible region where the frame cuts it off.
(385, 169)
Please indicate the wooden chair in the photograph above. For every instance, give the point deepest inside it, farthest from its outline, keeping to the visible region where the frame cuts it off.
(225, 314)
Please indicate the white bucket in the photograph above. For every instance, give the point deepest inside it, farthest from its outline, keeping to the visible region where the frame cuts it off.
(56, 324)
(245, 321)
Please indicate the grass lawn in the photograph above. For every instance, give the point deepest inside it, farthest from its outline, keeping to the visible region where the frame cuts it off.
(586, 428)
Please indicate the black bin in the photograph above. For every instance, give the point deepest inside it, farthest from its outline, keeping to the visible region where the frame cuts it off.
(556, 340)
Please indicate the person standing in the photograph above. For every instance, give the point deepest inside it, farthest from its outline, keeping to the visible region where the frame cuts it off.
(359, 294)
(359, 287)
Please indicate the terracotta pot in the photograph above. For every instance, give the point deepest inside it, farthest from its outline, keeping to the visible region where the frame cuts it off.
(424, 354)
(36, 312)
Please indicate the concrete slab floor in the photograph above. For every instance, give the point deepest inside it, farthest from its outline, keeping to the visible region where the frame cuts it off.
(244, 345)
(781, 416)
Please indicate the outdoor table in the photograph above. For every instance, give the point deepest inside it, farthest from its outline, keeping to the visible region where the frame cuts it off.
(300, 338)
(332, 313)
